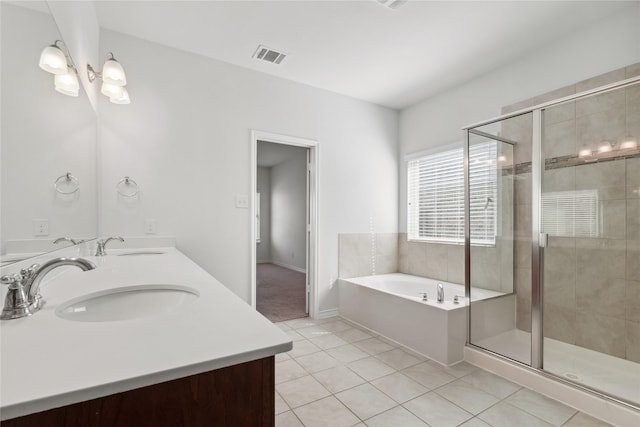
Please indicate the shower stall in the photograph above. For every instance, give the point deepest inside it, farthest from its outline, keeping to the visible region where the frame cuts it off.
(553, 223)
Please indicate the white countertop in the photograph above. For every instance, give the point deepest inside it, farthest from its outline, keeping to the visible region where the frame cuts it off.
(47, 362)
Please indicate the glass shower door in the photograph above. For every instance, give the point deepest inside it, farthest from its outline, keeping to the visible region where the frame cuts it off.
(499, 194)
(590, 213)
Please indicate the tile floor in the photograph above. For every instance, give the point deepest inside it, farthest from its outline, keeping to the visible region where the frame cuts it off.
(340, 375)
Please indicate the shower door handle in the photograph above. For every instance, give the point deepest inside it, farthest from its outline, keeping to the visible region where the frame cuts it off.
(543, 240)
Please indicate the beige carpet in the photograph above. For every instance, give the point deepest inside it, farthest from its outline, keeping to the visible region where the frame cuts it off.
(280, 292)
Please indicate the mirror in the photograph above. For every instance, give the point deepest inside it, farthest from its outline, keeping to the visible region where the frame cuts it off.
(45, 135)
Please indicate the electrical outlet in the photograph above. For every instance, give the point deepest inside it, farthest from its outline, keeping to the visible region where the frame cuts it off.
(40, 227)
(242, 201)
(150, 226)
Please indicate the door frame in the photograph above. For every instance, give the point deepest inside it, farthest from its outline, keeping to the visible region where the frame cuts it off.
(312, 215)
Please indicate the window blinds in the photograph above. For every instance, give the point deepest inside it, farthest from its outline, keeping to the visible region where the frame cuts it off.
(436, 195)
(570, 213)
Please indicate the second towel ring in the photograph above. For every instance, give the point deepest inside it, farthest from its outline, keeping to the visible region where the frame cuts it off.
(127, 187)
(66, 184)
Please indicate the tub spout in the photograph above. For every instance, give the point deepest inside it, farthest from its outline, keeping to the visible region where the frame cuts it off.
(440, 293)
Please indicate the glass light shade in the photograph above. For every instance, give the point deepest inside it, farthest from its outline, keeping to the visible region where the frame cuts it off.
(502, 158)
(604, 147)
(113, 73)
(629, 143)
(52, 59)
(67, 83)
(585, 151)
(112, 91)
(122, 99)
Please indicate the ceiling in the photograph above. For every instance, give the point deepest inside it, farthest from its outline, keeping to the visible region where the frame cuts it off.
(360, 48)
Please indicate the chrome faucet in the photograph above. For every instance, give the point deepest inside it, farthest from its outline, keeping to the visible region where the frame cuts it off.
(102, 245)
(67, 239)
(440, 293)
(23, 297)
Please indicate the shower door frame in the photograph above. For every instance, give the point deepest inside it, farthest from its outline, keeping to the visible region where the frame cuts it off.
(538, 240)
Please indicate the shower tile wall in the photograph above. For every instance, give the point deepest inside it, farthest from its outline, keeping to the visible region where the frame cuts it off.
(592, 285)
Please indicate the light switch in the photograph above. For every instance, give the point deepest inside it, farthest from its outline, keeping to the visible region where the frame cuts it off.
(242, 201)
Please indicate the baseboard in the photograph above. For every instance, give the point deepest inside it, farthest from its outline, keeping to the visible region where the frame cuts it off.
(323, 314)
(290, 267)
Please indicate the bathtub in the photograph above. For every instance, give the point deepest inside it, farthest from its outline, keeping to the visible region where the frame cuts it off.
(391, 305)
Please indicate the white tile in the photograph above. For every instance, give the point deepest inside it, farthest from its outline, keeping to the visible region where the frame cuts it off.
(283, 326)
(313, 332)
(288, 419)
(301, 391)
(505, 415)
(583, 420)
(474, 422)
(373, 346)
(347, 353)
(492, 384)
(328, 341)
(467, 397)
(353, 334)
(366, 401)
(437, 411)
(338, 379)
(336, 326)
(289, 370)
(327, 412)
(302, 348)
(541, 406)
(399, 387)
(398, 358)
(281, 357)
(459, 369)
(304, 322)
(370, 368)
(294, 335)
(281, 405)
(396, 417)
(317, 362)
(428, 375)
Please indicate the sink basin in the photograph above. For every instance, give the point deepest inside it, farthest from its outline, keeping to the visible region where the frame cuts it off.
(142, 253)
(127, 303)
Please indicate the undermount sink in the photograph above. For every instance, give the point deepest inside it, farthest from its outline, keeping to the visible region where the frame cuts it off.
(127, 303)
(142, 253)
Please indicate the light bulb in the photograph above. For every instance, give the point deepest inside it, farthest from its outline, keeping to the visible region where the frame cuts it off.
(629, 143)
(112, 91)
(52, 60)
(67, 83)
(122, 99)
(585, 151)
(604, 147)
(113, 73)
(502, 158)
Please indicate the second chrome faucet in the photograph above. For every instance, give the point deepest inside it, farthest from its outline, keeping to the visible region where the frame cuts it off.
(102, 245)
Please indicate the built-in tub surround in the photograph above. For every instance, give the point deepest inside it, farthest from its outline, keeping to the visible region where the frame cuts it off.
(591, 284)
(78, 361)
(393, 305)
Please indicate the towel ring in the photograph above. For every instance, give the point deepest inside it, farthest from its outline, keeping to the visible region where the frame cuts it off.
(66, 184)
(127, 187)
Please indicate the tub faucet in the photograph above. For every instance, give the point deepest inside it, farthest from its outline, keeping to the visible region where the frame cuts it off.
(440, 293)
(102, 245)
(23, 298)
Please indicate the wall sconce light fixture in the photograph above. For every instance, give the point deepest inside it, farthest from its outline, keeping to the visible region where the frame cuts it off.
(54, 60)
(113, 79)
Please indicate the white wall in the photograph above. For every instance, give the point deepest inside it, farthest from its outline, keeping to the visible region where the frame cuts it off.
(44, 135)
(612, 44)
(263, 186)
(289, 211)
(185, 138)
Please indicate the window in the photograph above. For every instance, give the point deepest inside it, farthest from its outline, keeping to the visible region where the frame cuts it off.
(570, 213)
(257, 217)
(436, 196)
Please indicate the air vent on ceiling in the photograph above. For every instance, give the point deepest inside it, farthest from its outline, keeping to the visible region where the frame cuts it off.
(267, 54)
(392, 4)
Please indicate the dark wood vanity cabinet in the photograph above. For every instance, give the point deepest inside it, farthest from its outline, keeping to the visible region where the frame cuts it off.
(239, 395)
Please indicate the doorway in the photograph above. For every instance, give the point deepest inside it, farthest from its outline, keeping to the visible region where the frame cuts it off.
(283, 230)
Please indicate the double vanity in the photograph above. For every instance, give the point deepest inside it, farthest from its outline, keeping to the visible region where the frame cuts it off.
(145, 338)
